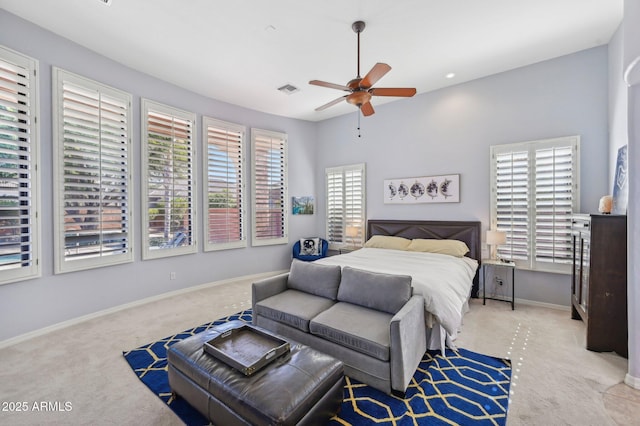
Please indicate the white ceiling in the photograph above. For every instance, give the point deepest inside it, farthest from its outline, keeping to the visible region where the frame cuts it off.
(241, 51)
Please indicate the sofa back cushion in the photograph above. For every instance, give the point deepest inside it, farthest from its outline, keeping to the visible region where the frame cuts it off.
(313, 278)
(383, 292)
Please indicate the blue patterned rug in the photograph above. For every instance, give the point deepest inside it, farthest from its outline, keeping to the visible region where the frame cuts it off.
(461, 388)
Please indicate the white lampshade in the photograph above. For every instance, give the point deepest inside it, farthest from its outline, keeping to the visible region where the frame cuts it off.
(495, 238)
(352, 231)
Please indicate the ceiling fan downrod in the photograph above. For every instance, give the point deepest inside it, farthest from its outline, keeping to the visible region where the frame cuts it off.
(358, 27)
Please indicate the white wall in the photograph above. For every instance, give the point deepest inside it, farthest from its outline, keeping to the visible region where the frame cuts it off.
(450, 131)
(29, 305)
(631, 55)
(618, 104)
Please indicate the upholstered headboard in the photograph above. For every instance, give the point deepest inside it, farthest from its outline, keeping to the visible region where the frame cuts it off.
(468, 232)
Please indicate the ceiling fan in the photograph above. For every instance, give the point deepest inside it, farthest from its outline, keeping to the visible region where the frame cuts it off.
(361, 88)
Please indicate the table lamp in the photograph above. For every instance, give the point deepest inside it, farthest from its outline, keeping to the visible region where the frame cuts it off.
(494, 239)
(352, 232)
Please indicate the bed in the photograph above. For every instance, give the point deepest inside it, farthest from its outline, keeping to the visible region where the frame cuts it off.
(446, 282)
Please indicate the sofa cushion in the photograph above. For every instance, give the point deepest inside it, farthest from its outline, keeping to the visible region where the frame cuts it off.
(313, 278)
(292, 307)
(384, 292)
(355, 327)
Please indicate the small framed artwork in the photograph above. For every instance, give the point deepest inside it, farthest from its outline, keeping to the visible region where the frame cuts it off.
(302, 205)
(425, 189)
(620, 185)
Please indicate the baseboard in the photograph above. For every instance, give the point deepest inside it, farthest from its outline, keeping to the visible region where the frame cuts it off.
(532, 303)
(543, 304)
(634, 382)
(64, 324)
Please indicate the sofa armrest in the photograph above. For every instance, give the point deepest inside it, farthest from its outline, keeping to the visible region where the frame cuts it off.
(268, 287)
(407, 342)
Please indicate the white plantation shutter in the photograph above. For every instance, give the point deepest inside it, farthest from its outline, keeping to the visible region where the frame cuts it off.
(168, 182)
(19, 233)
(335, 206)
(512, 203)
(534, 193)
(554, 183)
(345, 204)
(224, 165)
(93, 184)
(269, 189)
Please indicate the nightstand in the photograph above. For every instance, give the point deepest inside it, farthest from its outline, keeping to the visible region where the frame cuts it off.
(497, 264)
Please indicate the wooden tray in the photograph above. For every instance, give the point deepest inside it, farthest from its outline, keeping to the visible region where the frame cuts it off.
(246, 348)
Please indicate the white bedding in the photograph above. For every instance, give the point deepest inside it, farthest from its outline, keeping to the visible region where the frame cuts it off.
(444, 281)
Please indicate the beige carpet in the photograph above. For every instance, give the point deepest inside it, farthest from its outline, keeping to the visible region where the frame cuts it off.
(78, 376)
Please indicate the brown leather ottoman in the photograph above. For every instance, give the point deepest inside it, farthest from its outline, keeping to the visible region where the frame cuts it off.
(303, 387)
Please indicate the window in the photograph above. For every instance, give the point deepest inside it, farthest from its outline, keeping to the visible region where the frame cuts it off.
(168, 186)
(346, 205)
(534, 193)
(269, 178)
(19, 231)
(224, 165)
(92, 176)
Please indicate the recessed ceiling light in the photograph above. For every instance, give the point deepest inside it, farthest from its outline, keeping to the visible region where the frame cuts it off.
(450, 75)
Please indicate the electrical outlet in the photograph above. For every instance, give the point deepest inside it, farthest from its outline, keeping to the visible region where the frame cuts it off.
(499, 280)
(172, 275)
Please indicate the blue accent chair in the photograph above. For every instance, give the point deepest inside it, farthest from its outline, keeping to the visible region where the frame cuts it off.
(307, 258)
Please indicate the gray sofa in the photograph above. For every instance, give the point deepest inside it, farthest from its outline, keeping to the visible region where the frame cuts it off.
(370, 321)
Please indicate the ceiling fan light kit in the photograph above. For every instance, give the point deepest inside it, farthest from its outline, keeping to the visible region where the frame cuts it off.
(361, 88)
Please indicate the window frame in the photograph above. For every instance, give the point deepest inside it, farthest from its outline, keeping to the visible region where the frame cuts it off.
(241, 130)
(31, 69)
(147, 106)
(284, 209)
(61, 264)
(360, 221)
(557, 264)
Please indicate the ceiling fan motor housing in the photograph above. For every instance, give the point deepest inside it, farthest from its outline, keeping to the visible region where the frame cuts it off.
(358, 98)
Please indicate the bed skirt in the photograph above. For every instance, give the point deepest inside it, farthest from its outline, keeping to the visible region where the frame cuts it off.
(437, 337)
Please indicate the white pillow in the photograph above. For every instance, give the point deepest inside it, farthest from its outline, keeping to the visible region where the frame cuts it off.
(310, 246)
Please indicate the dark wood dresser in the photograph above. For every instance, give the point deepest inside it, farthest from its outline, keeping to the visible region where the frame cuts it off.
(599, 280)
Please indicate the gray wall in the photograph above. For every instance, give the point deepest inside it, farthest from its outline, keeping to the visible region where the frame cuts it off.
(33, 304)
(450, 131)
(442, 132)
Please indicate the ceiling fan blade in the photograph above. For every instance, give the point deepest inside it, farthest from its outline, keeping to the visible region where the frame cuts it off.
(377, 72)
(330, 85)
(367, 109)
(332, 103)
(404, 92)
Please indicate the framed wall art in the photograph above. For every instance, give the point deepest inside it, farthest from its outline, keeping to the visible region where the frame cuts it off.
(426, 189)
(302, 205)
(620, 186)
